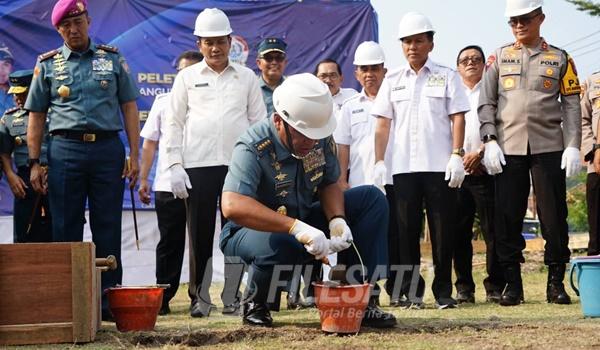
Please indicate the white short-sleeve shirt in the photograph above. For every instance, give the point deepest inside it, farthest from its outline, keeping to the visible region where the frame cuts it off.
(472, 136)
(420, 106)
(154, 129)
(356, 128)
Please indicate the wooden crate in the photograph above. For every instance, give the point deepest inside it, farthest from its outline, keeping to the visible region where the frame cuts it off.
(49, 293)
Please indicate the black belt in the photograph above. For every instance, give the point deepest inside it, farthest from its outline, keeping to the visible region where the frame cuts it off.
(85, 136)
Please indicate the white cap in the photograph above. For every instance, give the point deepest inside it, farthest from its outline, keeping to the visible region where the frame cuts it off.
(212, 22)
(516, 8)
(305, 103)
(368, 53)
(414, 23)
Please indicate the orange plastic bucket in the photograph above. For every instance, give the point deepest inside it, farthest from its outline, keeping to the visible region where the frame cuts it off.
(135, 308)
(341, 307)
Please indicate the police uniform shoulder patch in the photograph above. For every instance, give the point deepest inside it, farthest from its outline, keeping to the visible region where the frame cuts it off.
(569, 84)
(263, 145)
(48, 55)
(108, 48)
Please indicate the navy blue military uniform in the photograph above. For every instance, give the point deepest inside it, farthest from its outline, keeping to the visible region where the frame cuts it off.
(262, 168)
(86, 157)
(14, 125)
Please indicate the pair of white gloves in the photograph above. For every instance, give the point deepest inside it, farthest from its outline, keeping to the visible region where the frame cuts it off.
(494, 159)
(316, 243)
(455, 172)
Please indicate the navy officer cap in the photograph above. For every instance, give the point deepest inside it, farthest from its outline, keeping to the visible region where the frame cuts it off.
(270, 45)
(19, 81)
(5, 54)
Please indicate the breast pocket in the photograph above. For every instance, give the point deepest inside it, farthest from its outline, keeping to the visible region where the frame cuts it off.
(104, 79)
(547, 80)
(510, 77)
(436, 99)
(201, 92)
(359, 125)
(236, 97)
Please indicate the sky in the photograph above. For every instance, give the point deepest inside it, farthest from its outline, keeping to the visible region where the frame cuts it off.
(459, 23)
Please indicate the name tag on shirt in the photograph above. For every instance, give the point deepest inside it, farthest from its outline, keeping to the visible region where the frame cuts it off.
(436, 80)
(201, 85)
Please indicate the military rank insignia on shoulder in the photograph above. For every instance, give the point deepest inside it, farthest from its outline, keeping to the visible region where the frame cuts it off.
(262, 145)
(108, 48)
(48, 55)
(11, 110)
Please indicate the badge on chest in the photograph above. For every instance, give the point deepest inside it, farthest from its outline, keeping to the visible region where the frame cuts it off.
(314, 159)
(436, 80)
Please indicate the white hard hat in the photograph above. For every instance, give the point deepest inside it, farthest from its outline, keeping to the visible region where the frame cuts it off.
(368, 53)
(305, 103)
(212, 22)
(516, 8)
(414, 23)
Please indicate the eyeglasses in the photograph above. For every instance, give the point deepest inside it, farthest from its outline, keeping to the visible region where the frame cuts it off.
(332, 76)
(271, 58)
(524, 20)
(474, 59)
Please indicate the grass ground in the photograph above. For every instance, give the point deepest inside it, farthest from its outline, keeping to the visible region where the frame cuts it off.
(533, 325)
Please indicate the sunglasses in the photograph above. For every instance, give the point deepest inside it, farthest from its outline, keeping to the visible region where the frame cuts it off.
(524, 20)
(474, 59)
(271, 58)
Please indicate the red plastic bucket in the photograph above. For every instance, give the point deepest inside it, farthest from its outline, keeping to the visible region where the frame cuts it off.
(135, 308)
(341, 307)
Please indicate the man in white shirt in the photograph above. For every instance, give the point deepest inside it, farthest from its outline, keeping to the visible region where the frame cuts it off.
(355, 138)
(212, 104)
(170, 211)
(426, 102)
(330, 72)
(476, 193)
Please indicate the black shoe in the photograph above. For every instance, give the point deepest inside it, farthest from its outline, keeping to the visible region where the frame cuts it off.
(199, 309)
(465, 297)
(513, 292)
(446, 303)
(232, 309)
(493, 296)
(555, 290)
(376, 318)
(293, 302)
(256, 314)
(107, 316)
(164, 309)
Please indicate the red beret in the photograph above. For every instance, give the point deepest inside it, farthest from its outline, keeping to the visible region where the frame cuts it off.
(67, 8)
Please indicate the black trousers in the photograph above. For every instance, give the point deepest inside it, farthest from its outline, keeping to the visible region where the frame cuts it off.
(512, 192)
(204, 196)
(476, 196)
(393, 241)
(592, 193)
(412, 190)
(170, 212)
(23, 214)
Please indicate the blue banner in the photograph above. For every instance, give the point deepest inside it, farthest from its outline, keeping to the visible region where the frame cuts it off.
(152, 33)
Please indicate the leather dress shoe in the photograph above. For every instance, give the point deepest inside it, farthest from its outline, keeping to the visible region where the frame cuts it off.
(200, 310)
(465, 297)
(232, 309)
(164, 309)
(256, 314)
(511, 296)
(377, 318)
(493, 296)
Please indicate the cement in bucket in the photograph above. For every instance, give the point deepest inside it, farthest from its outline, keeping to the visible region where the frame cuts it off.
(587, 270)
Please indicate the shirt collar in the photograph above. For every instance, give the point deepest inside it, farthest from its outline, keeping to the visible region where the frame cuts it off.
(280, 150)
(263, 84)
(66, 51)
(429, 65)
(541, 46)
(474, 89)
(203, 67)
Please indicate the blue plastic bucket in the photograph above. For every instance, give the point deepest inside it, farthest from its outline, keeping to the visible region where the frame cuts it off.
(588, 284)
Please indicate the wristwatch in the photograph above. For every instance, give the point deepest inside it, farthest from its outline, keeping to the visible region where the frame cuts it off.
(459, 151)
(488, 137)
(32, 161)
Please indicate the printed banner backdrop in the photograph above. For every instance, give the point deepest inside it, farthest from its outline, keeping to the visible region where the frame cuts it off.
(152, 33)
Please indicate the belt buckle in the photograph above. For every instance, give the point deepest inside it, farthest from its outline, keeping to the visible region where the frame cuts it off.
(89, 137)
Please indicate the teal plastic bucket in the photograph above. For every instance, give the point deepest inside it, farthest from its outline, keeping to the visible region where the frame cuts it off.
(587, 270)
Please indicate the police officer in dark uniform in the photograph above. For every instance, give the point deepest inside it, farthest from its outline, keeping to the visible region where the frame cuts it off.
(31, 217)
(85, 85)
(276, 167)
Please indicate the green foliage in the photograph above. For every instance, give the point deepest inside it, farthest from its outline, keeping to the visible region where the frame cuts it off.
(577, 203)
(591, 7)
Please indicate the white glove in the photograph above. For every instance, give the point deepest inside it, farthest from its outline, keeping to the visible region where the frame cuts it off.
(455, 171)
(340, 235)
(571, 161)
(314, 240)
(493, 158)
(180, 181)
(379, 174)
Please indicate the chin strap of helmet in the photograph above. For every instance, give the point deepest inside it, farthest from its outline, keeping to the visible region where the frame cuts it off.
(289, 141)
